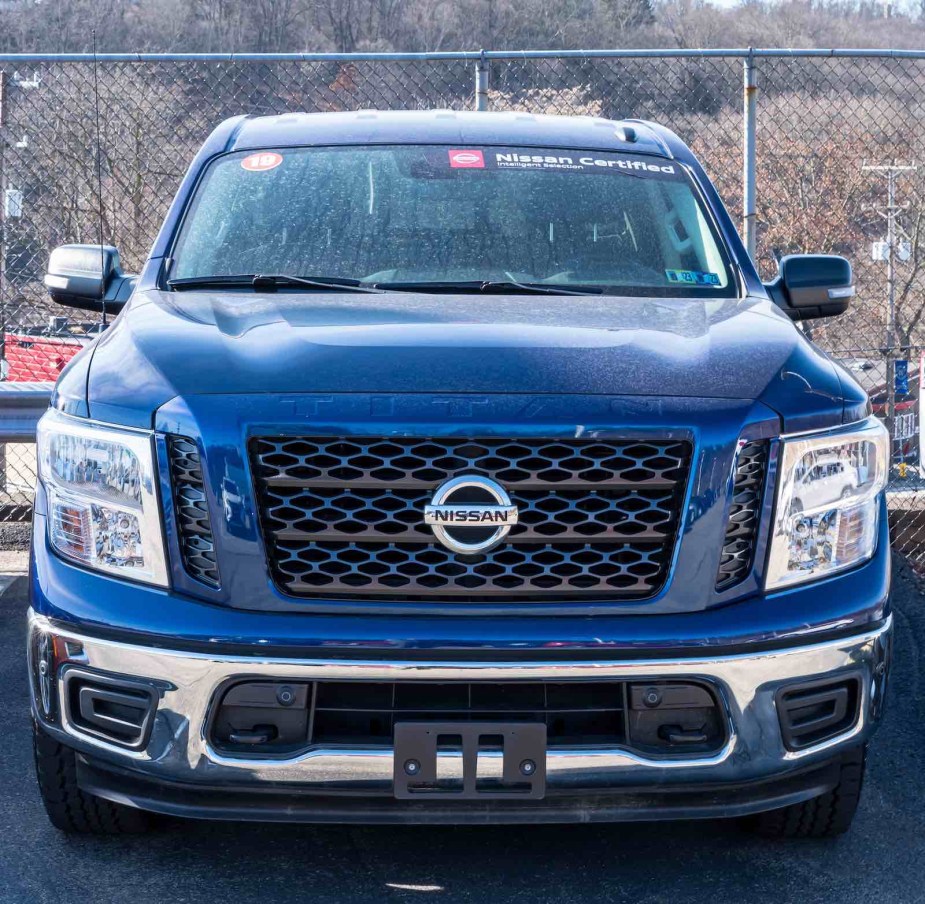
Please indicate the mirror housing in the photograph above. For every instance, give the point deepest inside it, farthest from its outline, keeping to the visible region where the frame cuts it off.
(812, 285)
(89, 277)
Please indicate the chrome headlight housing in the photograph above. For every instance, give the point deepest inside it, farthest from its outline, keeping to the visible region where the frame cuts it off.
(828, 502)
(103, 506)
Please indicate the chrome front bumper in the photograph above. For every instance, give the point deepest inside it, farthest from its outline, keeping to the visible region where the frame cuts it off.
(178, 749)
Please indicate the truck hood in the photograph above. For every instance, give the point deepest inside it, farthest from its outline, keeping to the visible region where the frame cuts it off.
(169, 344)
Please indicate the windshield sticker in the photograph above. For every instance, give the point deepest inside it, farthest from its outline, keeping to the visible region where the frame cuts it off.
(692, 278)
(467, 160)
(260, 163)
(559, 161)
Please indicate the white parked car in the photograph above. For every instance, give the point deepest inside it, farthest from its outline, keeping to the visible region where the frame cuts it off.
(823, 483)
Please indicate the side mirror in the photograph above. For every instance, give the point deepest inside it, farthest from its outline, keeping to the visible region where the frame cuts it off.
(813, 285)
(88, 277)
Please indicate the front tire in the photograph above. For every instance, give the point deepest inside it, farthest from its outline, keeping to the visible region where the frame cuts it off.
(826, 816)
(69, 808)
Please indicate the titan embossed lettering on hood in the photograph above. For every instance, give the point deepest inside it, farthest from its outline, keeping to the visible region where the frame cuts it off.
(168, 345)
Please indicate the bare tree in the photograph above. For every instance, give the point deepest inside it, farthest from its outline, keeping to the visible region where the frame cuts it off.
(223, 23)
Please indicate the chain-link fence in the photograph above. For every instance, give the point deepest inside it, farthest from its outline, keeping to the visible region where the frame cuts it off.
(805, 126)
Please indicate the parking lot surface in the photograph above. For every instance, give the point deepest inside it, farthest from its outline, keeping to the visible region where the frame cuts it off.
(882, 859)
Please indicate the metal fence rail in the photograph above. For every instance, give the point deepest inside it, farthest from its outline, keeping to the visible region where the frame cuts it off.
(785, 134)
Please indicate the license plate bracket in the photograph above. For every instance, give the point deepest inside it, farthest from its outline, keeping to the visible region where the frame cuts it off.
(522, 751)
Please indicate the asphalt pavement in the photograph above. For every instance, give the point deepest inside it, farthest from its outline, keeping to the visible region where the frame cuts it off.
(881, 859)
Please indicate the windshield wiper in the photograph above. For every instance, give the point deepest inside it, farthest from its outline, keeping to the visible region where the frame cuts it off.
(491, 287)
(270, 282)
(508, 286)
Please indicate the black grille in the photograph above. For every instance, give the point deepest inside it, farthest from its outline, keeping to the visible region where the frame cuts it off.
(194, 527)
(744, 515)
(345, 516)
(574, 713)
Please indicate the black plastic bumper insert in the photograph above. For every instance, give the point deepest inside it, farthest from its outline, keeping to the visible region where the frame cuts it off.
(110, 707)
(816, 711)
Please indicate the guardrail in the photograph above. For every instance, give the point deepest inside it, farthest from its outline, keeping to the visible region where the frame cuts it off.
(21, 406)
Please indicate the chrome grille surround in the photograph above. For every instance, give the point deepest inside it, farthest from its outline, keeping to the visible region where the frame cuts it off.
(343, 516)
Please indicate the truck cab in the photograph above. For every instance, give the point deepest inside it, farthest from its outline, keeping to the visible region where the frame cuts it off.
(447, 467)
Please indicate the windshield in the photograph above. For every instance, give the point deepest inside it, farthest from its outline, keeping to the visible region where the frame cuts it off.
(402, 215)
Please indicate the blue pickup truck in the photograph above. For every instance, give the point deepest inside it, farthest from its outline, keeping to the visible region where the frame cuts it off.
(448, 467)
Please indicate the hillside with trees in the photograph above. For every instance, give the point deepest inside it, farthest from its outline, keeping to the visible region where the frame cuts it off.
(408, 25)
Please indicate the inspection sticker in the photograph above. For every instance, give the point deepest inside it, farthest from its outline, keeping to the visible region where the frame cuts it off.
(261, 162)
(692, 278)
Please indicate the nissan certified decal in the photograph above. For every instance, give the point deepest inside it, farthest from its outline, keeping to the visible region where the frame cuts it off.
(507, 158)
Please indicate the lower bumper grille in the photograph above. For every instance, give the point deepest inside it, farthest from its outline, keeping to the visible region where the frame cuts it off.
(344, 516)
(653, 717)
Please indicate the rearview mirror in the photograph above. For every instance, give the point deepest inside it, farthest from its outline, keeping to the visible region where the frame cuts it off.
(813, 285)
(88, 277)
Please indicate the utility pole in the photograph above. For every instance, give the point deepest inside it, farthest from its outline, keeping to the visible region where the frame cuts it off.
(749, 152)
(892, 171)
(2, 224)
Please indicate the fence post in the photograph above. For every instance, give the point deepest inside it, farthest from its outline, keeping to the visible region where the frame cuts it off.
(748, 151)
(481, 83)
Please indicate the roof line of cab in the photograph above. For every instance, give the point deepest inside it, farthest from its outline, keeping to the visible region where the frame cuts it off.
(466, 128)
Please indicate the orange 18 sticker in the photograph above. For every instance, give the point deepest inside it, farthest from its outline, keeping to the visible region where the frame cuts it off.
(260, 163)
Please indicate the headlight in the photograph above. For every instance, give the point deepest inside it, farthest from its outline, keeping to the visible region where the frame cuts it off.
(828, 502)
(103, 508)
